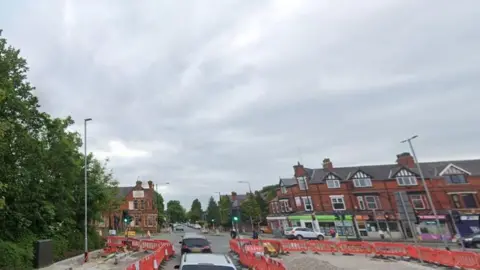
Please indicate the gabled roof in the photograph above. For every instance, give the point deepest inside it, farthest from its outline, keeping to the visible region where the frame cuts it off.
(123, 192)
(288, 182)
(389, 171)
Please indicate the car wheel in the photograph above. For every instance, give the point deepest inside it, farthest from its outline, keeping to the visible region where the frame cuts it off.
(320, 237)
(299, 237)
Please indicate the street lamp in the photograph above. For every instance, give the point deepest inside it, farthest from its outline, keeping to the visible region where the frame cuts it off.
(86, 180)
(427, 191)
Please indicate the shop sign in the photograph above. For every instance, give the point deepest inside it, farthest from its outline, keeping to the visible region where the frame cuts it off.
(433, 217)
(469, 217)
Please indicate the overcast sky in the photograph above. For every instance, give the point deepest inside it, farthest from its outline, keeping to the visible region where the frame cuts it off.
(203, 94)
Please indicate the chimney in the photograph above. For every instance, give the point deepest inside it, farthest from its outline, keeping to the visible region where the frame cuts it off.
(150, 184)
(405, 159)
(327, 164)
(234, 196)
(299, 170)
(138, 184)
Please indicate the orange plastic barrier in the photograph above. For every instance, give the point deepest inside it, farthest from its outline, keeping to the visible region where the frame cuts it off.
(390, 249)
(246, 248)
(322, 246)
(294, 245)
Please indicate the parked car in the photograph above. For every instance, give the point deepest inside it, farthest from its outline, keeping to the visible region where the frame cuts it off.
(206, 261)
(303, 233)
(471, 241)
(179, 228)
(195, 243)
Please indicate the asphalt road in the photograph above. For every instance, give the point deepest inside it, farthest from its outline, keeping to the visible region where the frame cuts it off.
(220, 244)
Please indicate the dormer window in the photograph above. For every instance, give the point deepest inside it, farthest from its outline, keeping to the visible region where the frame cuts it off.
(456, 179)
(302, 183)
(333, 183)
(283, 189)
(363, 182)
(407, 181)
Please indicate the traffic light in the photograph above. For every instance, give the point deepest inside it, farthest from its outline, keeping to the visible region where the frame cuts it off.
(235, 219)
(213, 220)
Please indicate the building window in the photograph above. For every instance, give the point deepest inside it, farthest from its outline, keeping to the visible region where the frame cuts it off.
(372, 202)
(277, 208)
(302, 183)
(142, 204)
(417, 201)
(407, 181)
(333, 183)
(138, 220)
(135, 204)
(363, 182)
(456, 179)
(283, 189)
(307, 203)
(337, 202)
(361, 203)
(285, 204)
(464, 201)
(151, 221)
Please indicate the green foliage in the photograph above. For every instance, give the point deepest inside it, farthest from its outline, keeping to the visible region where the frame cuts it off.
(225, 205)
(175, 212)
(269, 192)
(160, 206)
(250, 208)
(213, 212)
(263, 205)
(195, 213)
(42, 174)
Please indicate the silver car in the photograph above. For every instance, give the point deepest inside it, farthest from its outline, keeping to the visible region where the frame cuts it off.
(205, 262)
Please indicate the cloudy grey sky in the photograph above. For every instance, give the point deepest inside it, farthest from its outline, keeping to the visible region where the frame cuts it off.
(205, 93)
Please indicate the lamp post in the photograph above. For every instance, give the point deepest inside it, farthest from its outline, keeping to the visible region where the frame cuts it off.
(427, 191)
(250, 188)
(86, 189)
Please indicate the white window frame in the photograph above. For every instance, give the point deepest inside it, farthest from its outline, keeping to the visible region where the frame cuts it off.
(361, 203)
(412, 181)
(277, 207)
(417, 197)
(333, 183)
(283, 189)
(334, 199)
(367, 181)
(376, 201)
(302, 183)
(286, 205)
(307, 200)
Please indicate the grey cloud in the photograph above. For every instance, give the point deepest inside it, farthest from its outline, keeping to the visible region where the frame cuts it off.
(235, 90)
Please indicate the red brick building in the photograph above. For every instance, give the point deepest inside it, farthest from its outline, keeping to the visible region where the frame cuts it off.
(140, 204)
(365, 195)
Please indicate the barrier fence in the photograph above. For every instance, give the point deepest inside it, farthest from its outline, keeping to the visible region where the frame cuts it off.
(246, 249)
(162, 251)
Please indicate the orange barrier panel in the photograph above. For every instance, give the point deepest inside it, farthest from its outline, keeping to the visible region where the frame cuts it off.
(253, 249)
(355, 247)
(390, 249)
(163, 250)
(322, 246)
(468, 260)
(249, 259)
(294, 245)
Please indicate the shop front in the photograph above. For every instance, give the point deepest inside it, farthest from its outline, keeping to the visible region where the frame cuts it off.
(277, 223)
(325, 223)
(370, 227)
(427, 228)
(469, 224)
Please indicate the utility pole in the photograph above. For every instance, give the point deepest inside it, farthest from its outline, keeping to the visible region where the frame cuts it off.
(86, 187)
(427, 191)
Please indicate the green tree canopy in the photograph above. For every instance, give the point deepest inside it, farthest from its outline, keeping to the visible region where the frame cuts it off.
(250, 208)
(196, 211)
(263, 205)
(225, 205)
(42, 174)
(175, 211)
(213, 212)
(160, 206)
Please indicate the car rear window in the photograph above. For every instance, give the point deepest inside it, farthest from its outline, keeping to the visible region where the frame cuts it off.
(207, 267)
(195, 242)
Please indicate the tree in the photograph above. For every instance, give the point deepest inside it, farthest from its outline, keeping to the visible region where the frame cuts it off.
(263, 205)
(42, 174)
(213, 212)
(269, 192)
(250, 209)
(160, 206)
(225, 205)
(196, 211)
(175, 212)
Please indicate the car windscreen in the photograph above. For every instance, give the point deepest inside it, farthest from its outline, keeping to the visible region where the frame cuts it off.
(206, 267)
(195, 242)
